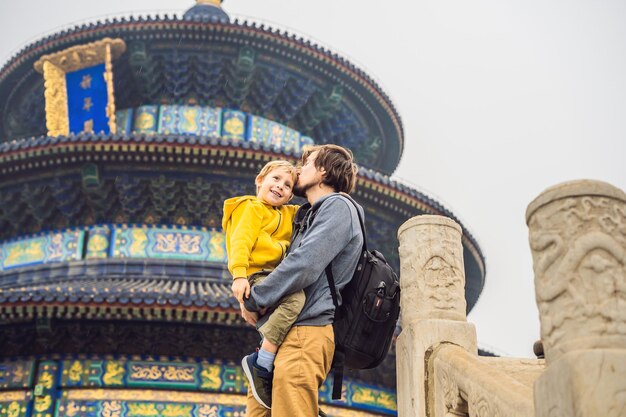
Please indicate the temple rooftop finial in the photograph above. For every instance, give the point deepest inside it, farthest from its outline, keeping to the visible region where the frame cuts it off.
(207, 11)
(217, 3)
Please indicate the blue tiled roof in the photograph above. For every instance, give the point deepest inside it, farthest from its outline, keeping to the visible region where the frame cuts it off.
(206, 13)
(43, 141)
(125, 291)
(120, 282)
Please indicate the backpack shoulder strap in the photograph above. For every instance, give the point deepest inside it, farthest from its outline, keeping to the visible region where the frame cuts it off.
(339, 357)
(329, 270)
(358, 213)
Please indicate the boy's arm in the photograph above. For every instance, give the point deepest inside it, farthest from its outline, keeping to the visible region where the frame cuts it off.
(330, 233)
(245, 228)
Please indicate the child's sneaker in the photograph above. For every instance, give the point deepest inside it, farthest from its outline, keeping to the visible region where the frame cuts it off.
(259, 379)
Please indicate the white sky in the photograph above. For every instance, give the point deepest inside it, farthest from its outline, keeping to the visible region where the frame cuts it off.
(499, 99)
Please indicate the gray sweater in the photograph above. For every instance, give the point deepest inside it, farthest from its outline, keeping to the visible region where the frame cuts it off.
(333, 235)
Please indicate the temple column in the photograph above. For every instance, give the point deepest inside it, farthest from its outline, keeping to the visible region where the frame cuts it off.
(578, 241)
(432, 280)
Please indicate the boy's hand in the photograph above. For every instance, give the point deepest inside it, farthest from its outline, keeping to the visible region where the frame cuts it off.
(249, 316)
(241, 289)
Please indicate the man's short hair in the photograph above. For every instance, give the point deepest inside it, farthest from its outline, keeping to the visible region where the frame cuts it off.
(338, 162)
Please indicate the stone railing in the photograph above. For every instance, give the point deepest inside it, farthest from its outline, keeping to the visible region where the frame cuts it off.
(578, 241)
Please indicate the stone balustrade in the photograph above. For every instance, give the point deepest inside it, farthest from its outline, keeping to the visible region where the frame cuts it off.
(578, 240)
(466, 385)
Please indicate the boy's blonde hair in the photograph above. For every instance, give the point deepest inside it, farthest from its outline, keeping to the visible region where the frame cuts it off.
(272, 165)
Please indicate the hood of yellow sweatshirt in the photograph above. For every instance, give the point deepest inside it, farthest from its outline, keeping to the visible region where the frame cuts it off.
(231, 204)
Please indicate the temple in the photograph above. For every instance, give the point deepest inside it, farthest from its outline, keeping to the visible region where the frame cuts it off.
(119, 141)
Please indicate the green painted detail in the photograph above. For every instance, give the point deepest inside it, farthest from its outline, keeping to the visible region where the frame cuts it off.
(166, 243)
(215, 122)
(190, 120)
(162, 374)
(98, 242)
(209, 377)
(239, 75)
(114, 372)
(54, 247)
(14, 408)
(184, 243)
(232, 379)
(180, 407)
(46, 392)
(90, 176)
(146, 119)
(123, 120)
(320, 107)
(234, 125)
(267, 132)
(17, 374)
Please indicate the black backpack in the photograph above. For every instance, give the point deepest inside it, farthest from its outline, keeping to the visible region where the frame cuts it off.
(366, 320)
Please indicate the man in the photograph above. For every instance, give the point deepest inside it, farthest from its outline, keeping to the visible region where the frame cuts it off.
(332, 234)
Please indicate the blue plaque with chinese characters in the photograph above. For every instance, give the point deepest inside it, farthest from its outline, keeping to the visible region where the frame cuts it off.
(87, 100)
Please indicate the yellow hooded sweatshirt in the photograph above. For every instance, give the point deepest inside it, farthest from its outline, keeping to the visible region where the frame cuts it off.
(257, 234)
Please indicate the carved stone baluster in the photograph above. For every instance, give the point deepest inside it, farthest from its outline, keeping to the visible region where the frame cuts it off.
(578, 241)
(432, 280)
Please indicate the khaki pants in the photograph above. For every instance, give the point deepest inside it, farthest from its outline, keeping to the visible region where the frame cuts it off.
(301, 365)
(284, 315)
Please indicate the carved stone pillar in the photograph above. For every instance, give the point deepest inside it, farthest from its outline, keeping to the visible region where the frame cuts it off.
(578, 241)
(432, 280)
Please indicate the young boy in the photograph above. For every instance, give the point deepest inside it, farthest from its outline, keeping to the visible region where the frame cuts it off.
(258, 230)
